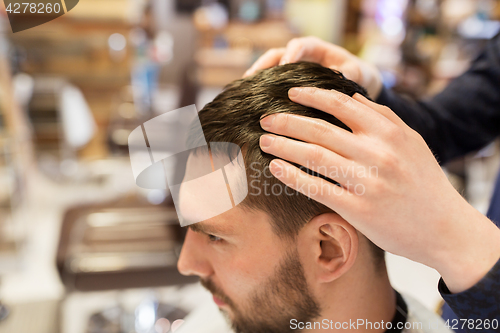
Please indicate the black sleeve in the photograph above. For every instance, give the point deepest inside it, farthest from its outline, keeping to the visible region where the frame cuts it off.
(480, 304)
(462, 118)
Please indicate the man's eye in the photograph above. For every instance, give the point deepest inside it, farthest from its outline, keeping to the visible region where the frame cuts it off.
(214, 239)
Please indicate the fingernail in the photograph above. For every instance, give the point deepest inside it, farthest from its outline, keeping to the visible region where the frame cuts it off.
(266, 141)
(247, 73)
(294, 92)
(267, 122)
(276, 168)
(358, 96)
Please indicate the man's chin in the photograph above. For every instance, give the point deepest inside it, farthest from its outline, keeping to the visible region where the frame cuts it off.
(238, 323)
(228, 315)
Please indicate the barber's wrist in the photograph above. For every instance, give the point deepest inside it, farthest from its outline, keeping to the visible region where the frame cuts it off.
(473, 249)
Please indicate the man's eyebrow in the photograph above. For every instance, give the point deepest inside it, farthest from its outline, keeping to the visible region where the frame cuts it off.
(205, 228)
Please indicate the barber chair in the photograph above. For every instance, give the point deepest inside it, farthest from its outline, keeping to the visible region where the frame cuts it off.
(117, 246)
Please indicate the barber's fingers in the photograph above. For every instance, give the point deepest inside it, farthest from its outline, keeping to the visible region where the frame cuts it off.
(329, 194)
(304, 49)
(269, 59)
(310, 49)
(350, 70)
(356, 115)
(313, 130)
(383, 110)
(311, 156)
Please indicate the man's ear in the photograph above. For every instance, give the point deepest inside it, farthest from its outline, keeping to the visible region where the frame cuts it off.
(330, 245)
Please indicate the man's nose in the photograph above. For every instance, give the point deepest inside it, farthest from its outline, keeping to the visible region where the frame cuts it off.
(192, 260)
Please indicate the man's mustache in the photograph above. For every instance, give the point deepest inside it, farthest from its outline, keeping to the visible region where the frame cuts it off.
(216, 291)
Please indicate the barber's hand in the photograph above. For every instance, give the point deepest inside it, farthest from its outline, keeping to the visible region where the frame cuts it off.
(393, 190)
(313, 49)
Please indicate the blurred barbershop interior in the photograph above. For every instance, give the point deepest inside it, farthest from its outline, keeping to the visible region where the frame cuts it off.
(83, 249)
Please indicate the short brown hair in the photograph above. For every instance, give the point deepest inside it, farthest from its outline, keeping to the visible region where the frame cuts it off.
(234, 116)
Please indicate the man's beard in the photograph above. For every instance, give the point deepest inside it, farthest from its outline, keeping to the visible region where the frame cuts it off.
(270, 308)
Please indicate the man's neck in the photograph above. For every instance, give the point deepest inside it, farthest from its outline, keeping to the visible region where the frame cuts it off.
(355, 302)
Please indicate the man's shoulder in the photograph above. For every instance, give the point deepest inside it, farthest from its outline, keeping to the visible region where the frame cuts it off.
(422, 320)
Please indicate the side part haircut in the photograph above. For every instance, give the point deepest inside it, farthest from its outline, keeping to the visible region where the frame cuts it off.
(234, 116)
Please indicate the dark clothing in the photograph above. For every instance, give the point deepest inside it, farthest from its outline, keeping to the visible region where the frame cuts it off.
(461, 119)
(480, 302)
(494, 210)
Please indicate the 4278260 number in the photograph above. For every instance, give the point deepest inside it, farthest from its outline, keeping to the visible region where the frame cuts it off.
(33, 8)
(472, 324)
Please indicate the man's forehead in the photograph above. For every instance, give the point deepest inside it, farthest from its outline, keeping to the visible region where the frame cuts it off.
(213, 184)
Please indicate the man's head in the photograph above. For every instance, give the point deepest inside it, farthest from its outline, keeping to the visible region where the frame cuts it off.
(277, 255)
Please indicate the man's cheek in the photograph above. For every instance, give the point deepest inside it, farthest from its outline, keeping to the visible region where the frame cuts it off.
(236, 284)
